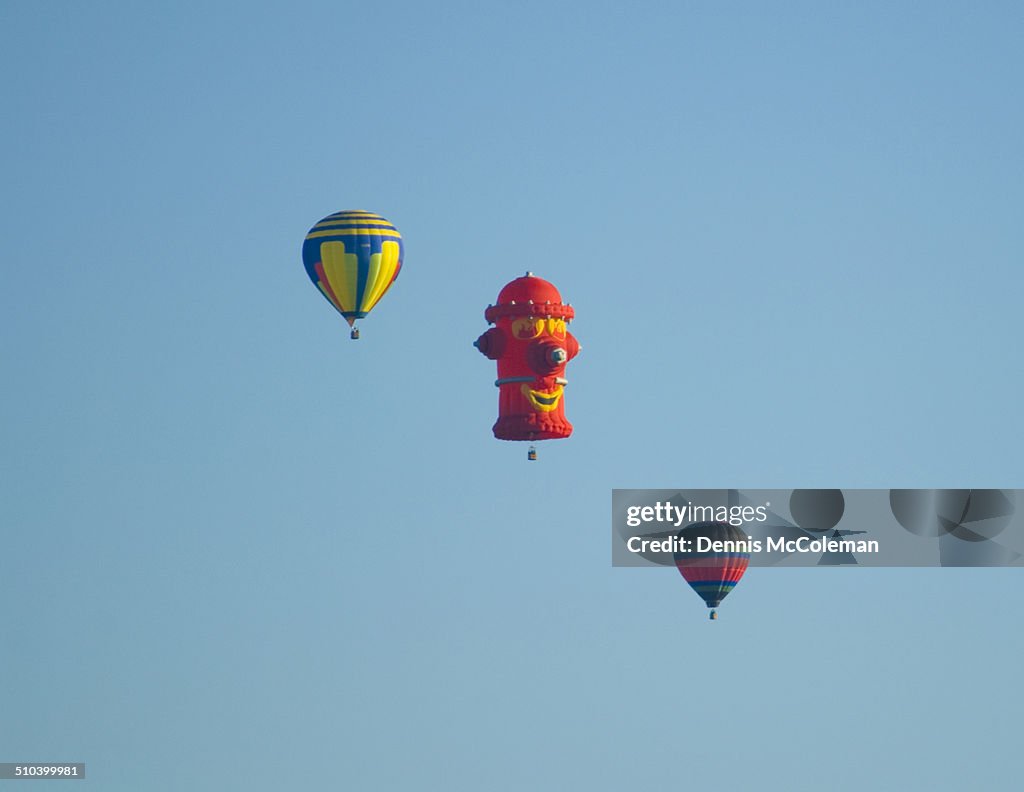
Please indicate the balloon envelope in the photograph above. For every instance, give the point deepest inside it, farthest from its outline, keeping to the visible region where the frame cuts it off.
(712, 573)
(353, 257)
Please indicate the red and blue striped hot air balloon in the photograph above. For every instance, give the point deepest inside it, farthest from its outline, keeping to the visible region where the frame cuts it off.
(353, 257)
(715, 560)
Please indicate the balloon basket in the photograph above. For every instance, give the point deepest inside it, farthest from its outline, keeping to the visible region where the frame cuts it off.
(532, 454)
(713, 615)
(354, 335)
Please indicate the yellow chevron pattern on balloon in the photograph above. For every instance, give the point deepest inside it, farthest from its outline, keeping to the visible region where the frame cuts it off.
(342, 271)
(382, 271)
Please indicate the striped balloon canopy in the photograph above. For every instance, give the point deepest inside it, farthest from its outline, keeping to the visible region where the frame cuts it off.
(353, 257)
(716, 560)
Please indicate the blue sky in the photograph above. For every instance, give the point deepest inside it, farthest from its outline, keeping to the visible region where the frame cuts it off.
(241, 551)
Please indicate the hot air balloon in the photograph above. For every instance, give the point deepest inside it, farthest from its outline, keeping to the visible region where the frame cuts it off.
(353, 258)
(716, 558)
(532, 345)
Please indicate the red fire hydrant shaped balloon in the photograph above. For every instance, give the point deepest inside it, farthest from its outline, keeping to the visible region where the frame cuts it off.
(532, 345)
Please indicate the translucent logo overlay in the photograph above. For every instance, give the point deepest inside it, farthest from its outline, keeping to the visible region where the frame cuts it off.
(821, 527)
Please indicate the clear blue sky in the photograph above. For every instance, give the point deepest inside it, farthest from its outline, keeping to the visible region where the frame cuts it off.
(242, 552)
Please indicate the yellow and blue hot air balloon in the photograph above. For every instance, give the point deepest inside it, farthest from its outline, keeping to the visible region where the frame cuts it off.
(353, 257)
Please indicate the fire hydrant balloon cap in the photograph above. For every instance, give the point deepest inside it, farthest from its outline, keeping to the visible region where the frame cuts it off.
(529, 296)
(529, 287)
